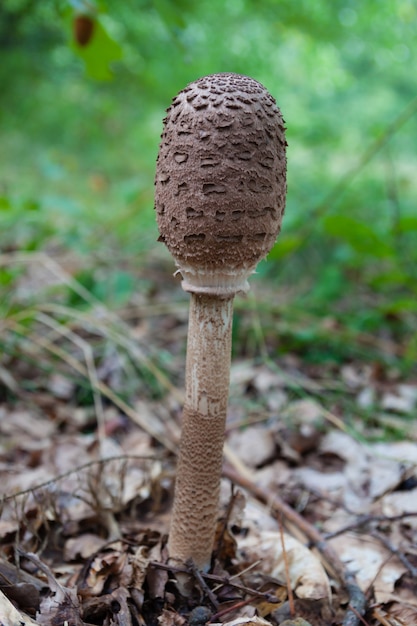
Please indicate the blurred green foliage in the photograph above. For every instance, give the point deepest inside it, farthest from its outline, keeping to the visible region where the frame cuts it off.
(80, 126)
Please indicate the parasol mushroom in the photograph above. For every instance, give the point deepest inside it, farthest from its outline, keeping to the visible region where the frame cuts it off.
(220, 196)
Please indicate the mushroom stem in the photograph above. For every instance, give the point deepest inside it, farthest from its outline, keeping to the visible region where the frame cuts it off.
(220, 197)
(199, 466)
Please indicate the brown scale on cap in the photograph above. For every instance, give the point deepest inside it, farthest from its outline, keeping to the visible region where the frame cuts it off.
(220, 181)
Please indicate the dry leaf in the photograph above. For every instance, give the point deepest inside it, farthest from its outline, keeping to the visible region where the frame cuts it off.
(317, 481)
(273, 476)
(366, 398)
(384, 476)
(10, 616)
(171, 618)
(61, 386)
(20, 423)
(265, 607)
(402, 401)
(372, 564)
(404, 614)
(265, 380)
(400, 503)
(404, 452)
(344, 446)
(100, 569)
(304, 412)
(247, 621)
(120, 607)
(356, 377)
(307, 575)
(82, 546)
(157, 580)
(8, 527)
(253, 445)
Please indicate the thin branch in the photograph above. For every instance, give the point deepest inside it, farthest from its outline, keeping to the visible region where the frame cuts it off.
(388, 545)
(356, 607)
(203, 585)
(222, 581)
(367, 520)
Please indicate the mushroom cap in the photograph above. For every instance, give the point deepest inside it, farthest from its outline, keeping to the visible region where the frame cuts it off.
(221, 181)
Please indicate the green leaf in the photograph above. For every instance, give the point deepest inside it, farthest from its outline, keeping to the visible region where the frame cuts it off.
(99, 53)
(31, 205)
(400, 305)
(285, 246)
(117, 288)
(331, 284)
(7, 276)
(407, 224)
(169, 13)
(361, 237)
(5, 203)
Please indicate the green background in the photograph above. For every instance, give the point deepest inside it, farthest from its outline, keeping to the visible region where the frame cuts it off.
(80, 126)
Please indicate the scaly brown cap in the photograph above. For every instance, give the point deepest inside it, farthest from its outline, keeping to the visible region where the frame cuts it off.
(221, 181)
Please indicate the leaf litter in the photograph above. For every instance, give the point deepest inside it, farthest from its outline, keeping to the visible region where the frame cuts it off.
(89, 423)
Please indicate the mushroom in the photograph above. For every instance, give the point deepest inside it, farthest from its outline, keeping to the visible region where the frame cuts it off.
(220, 196)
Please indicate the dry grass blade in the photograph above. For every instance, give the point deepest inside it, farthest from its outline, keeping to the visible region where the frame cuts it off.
(109, 323)
(121, 336)
(64, 331)
(155, 429)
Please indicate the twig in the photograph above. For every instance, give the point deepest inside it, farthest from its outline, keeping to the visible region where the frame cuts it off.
(203, 585)
(220, 580)
(366, 520)
(388, 545)
(356, 607)
(223, 581)
(234, 607)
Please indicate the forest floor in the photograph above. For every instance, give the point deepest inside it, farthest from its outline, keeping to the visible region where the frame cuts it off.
(319, 497)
